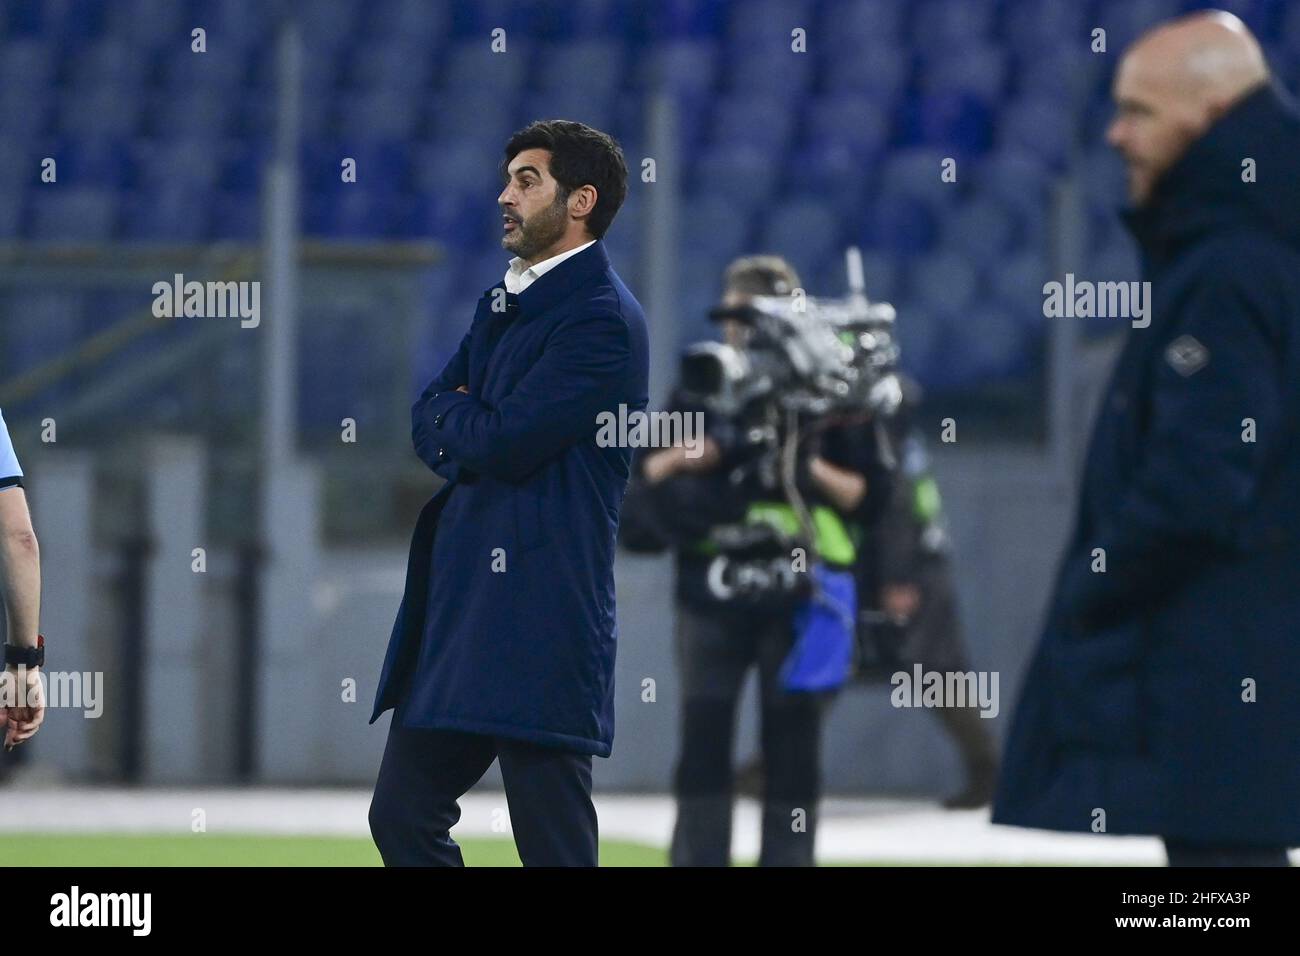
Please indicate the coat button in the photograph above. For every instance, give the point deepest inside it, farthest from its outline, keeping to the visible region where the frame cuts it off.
(437, 420)
(442, 453)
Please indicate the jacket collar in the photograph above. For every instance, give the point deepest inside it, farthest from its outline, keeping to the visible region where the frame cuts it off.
(1203, 190)
(555, 284)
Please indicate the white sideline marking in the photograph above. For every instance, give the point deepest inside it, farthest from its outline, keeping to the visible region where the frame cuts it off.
(878, 829)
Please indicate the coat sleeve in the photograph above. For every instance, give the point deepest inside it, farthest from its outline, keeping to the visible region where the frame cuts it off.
(454, 374)
(582, 371)
(1197, 474)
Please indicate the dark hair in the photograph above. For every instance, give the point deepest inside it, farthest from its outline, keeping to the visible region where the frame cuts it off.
(760, 275)
(580, 156)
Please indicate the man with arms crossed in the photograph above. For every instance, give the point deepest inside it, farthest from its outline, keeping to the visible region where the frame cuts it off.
(504, 644)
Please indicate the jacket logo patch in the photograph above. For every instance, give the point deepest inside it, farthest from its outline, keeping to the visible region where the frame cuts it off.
(1187, 355)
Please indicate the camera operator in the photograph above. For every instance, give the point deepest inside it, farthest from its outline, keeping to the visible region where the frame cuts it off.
(737, 597)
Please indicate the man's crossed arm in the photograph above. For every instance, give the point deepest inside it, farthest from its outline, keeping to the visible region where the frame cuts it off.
(581, 372)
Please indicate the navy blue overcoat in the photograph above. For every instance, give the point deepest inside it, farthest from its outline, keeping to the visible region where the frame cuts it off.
(507, 623)
(1165, 692)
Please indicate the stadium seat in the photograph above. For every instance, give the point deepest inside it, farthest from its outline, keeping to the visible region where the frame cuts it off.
(167, 212)
(688, 66)
(758, 121)
(898, 224)
(587, 64)
(593, 106)
(1032, 26)
(99, 112)
(110, 63)
(392, 63)
(918, 335)
(983, 344)
(956, 123)
(236, 215)
(878, 70)
(166, 162)
(1012, 177)
(1125, 21)
(206, 113)
(763, 22)
(916, 173)
(978, 71)
(456, 168)
(1038, 126)
(947, 25)
(847, 25)
(771, 70)
(53, 325)
(713, 227)
(73, 214)
(100, 162)
(149, 24)
(742, 175)
(943, 281)
(1017, 283)
(483, 118)
(472, 65)
(860, 122)
(26, 64)
(380, 114)
(806, 231)
(981, 230)
(834, 172)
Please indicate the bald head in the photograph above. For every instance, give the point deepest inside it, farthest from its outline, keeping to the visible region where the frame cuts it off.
(1172, 85)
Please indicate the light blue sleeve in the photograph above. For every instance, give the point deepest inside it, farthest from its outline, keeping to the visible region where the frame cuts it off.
(10, 471)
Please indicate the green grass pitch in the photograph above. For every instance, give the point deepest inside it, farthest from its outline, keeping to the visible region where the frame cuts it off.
(208, 849)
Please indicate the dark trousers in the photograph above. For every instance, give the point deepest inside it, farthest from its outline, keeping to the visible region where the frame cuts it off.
(1184, 853)
(713, 654)
(424, 772)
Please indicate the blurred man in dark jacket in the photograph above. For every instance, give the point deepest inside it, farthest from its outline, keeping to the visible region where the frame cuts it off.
(734, 610)
(1164, 697)
(908, 603)
(908, 569)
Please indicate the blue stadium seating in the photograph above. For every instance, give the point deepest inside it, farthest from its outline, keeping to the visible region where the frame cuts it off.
(687, 66)
(806, 231)
(982, 231)
(742, 175)
(943, 281)
(781, 151)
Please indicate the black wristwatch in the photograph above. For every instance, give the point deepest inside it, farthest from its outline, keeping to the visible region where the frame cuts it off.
(16, 656)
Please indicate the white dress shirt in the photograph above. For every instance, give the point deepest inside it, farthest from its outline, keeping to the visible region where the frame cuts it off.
(519, 278)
